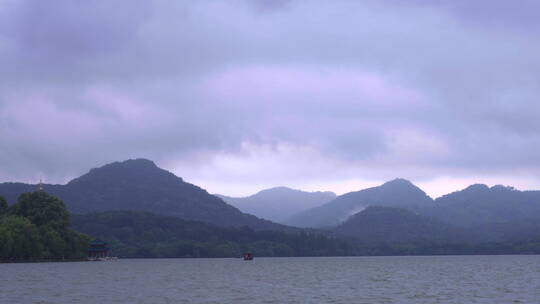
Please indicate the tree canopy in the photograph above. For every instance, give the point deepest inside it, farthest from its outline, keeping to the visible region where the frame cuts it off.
(3, 205)
(37, 226)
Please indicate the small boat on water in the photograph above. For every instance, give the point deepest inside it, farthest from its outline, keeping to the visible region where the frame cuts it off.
(103, 259)
(248, 256)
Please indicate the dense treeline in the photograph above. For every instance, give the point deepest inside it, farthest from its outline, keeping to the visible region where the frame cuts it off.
(147, 235)
(37, 226)
(141, 234)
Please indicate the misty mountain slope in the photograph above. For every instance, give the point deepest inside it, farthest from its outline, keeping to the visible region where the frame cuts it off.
(377, 224)
(479, 204)
(395, 193)
(140, 185)
(279, 203)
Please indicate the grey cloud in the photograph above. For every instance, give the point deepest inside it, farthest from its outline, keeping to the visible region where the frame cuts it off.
(269, 5)
(504, 15)
(381, 88)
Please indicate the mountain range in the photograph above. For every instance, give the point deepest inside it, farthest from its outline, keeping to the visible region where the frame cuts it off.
(394, 212)
(395, 193)
(479, 204)
(474, 206)
(140, 185)
(279, 203)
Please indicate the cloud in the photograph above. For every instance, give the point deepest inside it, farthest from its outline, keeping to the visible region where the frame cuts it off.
(503, 15)
(305, 92)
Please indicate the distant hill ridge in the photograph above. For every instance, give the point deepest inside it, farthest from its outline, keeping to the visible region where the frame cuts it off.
(475, 205)
(279, 203)
(479, 204)
(396, 193)
(138, 184)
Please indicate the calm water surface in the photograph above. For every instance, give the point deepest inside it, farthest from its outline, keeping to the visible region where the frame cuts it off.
(449, 279)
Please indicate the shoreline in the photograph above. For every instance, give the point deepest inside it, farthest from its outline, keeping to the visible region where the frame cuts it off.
(43, 260)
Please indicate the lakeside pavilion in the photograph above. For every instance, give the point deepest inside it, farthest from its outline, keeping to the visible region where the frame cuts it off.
(98, 249)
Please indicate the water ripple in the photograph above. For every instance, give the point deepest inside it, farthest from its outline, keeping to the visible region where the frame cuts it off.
(373, 280)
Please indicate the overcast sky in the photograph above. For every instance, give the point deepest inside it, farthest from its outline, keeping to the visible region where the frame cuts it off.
(240, 95)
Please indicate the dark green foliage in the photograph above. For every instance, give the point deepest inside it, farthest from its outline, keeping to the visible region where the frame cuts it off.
(19, 238)
(42, 209)
(3, 205)
(141, 234)
(146, 235)
(37, 226)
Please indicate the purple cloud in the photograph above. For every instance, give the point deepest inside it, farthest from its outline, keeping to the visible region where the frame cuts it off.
(307, 93)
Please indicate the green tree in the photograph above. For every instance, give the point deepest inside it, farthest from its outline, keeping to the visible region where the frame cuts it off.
(6, 240)
(38, 226)
(21, 238)
(42, 209)
(54, 243)
(3, 206)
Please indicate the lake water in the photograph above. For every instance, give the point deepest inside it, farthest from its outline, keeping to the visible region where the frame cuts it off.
(443, 279)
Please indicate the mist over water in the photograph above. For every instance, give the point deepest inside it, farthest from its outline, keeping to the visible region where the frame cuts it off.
(444, 279)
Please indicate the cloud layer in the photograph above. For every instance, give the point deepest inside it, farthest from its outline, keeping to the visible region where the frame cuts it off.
(238, 95)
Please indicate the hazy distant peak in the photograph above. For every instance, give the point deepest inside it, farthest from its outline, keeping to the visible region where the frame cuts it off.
(129, 164)
(477, 187)
(282, 190)
(483, 189)
(503, 188)
(399, 182)
(277, 189)
(137, 162)
(279, 203)
(395, 193)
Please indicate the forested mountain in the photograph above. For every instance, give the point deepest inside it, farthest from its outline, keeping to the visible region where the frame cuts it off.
(377, 224)
(398, 212)
(511, 231)
(142, 234)
(479, 204)
(475, 215)
(279, 203)
(475, 206)
(395, 193)
(406, 229)
(140, 185)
